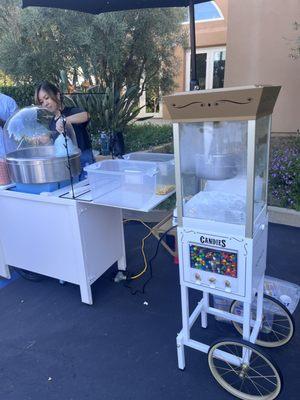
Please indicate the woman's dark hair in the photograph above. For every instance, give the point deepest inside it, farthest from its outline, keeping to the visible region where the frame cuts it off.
(50, 89)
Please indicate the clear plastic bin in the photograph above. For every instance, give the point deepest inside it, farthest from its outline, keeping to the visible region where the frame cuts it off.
(165, 180)
(286, 292)
(122, 183)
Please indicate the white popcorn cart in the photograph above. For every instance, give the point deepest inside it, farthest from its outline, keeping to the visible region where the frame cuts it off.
(221, 140)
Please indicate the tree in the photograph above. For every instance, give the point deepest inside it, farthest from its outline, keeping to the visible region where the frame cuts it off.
(5, 80)
(126, 48)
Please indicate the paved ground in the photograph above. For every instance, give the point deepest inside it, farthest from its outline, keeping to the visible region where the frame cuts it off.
(53, 347)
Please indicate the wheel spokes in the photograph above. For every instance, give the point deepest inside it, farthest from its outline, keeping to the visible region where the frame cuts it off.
(262, 390)
(263, 376)
(277, 325)
(256, 379)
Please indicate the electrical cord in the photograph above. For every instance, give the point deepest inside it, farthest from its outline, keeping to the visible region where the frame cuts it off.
(142, 291)
(142, 247)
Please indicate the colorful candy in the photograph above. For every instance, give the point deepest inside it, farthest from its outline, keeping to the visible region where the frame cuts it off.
(217, 261)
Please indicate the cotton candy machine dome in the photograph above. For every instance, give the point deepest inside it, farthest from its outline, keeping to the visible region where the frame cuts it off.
(34, 153)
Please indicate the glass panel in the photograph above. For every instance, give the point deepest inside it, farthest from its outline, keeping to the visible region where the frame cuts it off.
(261, 163)
(219, 69)
(212, 260)
(213, 170)
(201, 69)
(206, 11)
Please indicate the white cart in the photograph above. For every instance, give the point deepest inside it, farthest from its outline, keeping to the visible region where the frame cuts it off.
(221, 140)
(50, 234)
(71, 239)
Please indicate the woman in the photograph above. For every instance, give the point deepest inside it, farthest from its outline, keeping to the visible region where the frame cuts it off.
(48, 96)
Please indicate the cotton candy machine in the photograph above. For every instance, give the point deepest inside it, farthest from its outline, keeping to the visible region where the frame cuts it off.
(34, 153)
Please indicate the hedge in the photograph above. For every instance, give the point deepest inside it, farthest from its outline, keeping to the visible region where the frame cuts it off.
(23, 94)
(145, 136)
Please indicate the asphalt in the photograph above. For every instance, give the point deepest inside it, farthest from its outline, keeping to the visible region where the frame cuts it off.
(53, 347)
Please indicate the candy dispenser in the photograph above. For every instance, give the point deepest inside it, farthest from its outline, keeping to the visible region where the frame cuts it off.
(221, 142)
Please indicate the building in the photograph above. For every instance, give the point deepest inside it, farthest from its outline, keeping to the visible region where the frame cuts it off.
(244, 43)
(260, 35)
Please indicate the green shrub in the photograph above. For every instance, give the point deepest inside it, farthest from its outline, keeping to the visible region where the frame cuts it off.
(22, 94)
(145, 136)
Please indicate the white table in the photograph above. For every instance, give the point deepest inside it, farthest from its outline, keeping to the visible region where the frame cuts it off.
(69, 239)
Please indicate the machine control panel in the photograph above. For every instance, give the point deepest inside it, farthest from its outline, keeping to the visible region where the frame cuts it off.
(213, 283)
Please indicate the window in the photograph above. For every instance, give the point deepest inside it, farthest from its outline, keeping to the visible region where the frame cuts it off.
(151, 100)
(201, 62)
(210, 67)
(218, 69)
(206, 12)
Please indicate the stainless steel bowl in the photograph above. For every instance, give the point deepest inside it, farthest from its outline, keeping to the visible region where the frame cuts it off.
(40, 165)
(216, 166)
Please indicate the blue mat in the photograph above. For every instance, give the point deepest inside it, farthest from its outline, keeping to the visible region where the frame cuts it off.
(4, 282)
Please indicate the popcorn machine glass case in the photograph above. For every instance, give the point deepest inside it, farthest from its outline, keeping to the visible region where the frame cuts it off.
(214, 177)
(221, 140)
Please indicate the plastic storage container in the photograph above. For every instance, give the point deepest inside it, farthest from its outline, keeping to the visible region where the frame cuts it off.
(122, 183)
(286, 292)
(165, 181)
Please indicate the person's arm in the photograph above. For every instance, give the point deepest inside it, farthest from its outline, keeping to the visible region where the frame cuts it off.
(78, 118)
(11, 107)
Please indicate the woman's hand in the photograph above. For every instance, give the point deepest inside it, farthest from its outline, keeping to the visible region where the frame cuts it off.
(60, 125)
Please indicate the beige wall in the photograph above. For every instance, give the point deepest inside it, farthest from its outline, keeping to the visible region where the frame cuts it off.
(257, 52)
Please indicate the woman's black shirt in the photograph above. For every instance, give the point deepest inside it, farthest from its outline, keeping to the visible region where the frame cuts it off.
(82, 136)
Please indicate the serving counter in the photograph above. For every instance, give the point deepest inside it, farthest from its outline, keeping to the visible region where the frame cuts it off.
(54, 234)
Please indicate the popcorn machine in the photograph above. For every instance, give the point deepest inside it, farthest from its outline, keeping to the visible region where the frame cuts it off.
(221, 141)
